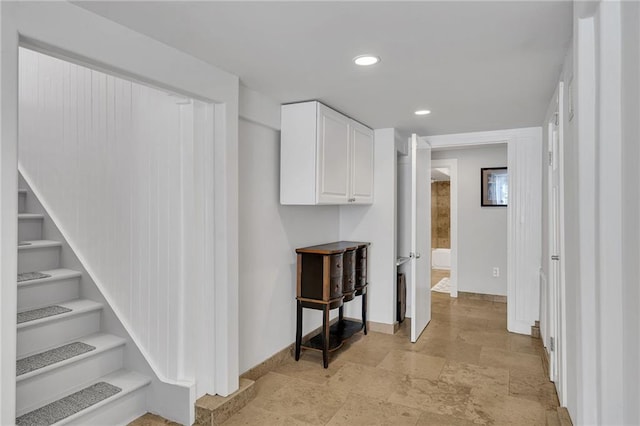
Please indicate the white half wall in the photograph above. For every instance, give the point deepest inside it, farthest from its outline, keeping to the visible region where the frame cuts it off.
(376, 224)
(104, 156)
(482, 231)
(269, 235)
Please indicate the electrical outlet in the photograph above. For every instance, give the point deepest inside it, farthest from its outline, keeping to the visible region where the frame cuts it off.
(496, 271)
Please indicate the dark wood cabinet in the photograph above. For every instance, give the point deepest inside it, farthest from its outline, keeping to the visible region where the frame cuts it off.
(328, 276)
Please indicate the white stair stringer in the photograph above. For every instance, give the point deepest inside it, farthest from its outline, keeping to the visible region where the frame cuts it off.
(61, 286)
(43, 386)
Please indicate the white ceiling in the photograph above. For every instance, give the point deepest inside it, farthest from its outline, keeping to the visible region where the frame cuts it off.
(477, 65)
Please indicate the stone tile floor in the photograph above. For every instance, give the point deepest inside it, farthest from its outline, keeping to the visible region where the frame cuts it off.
(465, 369)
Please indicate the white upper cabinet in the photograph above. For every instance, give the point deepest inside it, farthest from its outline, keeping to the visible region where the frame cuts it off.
(325, 157)
(361, 164)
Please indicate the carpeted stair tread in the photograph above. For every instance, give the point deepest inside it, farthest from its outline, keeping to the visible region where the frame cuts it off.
(38, 244)
(52, 356)
(68, 406)
(50, 275)
(40, 313)
(28, 276)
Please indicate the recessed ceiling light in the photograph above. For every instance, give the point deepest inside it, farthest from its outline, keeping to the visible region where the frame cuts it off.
(366, 60)
(422, 112)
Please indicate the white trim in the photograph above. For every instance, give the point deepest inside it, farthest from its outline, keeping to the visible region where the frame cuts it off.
(523, 235)
(559, 361)
(8, 212)
(452, 164)
(460, 140)
(563, 258)
(610, 198)
(588, 410)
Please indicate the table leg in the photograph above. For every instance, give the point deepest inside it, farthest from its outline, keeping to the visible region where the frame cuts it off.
(325, 336)
(298, 330)
(364, 312)
(341, 313)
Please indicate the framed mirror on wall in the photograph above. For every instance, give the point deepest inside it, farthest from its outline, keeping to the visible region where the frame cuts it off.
(494, 183)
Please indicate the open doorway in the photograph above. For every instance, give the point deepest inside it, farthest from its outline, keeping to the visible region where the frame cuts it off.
(444, 227)
(441, 230)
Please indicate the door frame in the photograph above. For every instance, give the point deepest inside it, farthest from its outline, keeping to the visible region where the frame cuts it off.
(452, 164)
(524, 244)
(556, 296)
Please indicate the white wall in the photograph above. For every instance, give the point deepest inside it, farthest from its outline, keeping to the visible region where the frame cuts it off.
(482, 231)
(269, 235)
(376, 224)
(630, 14)
(602, 215)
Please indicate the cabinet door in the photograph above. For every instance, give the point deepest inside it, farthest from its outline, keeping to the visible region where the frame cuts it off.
(333, 157)
(361, 164)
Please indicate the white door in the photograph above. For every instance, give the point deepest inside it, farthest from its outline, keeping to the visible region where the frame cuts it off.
(557, 368)
(333, 157)
(361, 164)
(420, 280)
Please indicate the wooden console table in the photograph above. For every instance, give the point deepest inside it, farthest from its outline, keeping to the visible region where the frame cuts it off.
(329, 275)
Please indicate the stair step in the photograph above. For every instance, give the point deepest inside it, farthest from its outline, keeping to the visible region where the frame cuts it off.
(69, 405)
(38, 255)
(38, 244)
(30, 216)
(22, 200)
(121, 408)
(83, 318)
(31, 276)
(60, 286)
(30, 226)
(63, 370)
(39, 362)
(40, 313)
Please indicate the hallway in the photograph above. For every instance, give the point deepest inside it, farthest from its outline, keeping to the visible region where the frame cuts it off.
(465, 369)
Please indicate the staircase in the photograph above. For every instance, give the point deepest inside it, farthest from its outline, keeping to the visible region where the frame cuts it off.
(68, 370)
